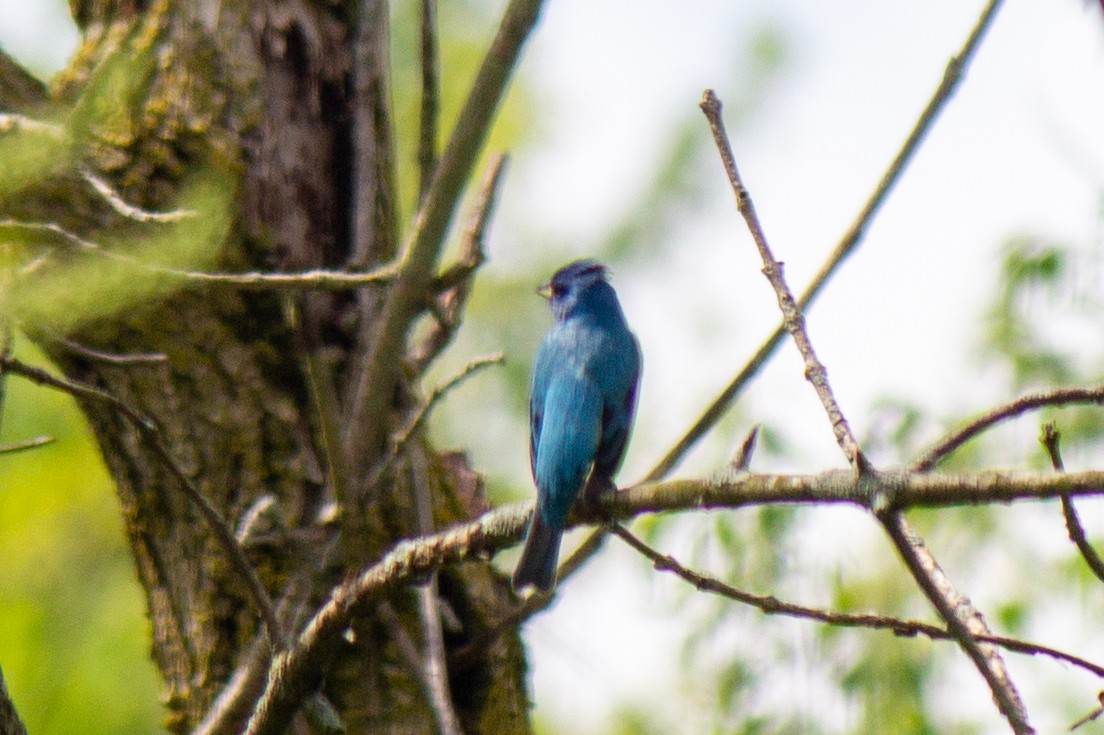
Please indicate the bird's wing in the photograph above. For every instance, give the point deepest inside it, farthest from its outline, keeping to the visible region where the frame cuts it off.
(623, 380)
(569, 432)
(543, 369)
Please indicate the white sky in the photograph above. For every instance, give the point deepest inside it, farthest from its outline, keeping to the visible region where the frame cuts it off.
(1020, 149)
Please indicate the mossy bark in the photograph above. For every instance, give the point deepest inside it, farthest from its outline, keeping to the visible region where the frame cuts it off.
(259, 92)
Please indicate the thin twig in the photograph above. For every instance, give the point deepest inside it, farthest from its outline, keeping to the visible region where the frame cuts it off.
(38, 441)
(918, 559)
(418, 419)
(129, 211)
(771, 605)
(1050, 439)
(963, 621)
(224, 535)
(373, 389)
(792, 317)
(427, 132)
(952, 76)
(1097, 711)
(50, 228)
(320, 278)
(1029, 402)
(741, 461)
(110, 358)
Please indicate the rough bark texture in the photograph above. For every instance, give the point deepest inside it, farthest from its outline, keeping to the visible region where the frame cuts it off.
(259, 91)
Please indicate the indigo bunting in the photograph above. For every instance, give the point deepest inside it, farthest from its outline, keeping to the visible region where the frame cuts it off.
(581, 407)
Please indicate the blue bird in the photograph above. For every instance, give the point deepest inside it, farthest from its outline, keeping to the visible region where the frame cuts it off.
(581, 408)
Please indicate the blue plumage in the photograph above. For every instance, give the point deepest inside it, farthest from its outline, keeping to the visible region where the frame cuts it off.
(581, 408)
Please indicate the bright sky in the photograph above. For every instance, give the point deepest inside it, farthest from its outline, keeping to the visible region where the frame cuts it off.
(1018, 150)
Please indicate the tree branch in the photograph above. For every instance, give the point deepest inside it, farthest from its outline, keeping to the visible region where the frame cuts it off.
(295, 673)
(1050, 439)
(952, 77)
(792, 318)
(366, 425)
(771, 605)
(1030, 402)
(963, 621)
(961, 618)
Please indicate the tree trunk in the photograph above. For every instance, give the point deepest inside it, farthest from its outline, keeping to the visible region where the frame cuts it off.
(264, 94)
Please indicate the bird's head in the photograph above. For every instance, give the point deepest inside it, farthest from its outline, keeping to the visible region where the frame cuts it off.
(571, 286)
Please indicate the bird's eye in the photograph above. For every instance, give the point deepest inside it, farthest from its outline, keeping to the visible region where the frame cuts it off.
(558, 290)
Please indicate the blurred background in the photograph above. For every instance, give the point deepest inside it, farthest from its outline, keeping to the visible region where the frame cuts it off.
(981, 278)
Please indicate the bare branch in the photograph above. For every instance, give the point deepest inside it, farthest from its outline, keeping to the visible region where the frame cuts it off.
(148, 431)
(320, 279)
(1099, 710)
(963, 621)
(1030, 402)
(295, 673)
(771, 605)
(418, 419)
(52, 229)
(1050, 439)
(952, 77)
(792, 317)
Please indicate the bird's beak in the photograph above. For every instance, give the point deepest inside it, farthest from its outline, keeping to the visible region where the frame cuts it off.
(545, 291)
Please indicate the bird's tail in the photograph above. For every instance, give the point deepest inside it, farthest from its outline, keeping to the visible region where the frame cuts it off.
(538, 559)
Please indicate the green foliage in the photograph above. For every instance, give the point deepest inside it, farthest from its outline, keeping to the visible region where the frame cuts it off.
(1032, 273)
(28, 153)
(125, 271)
